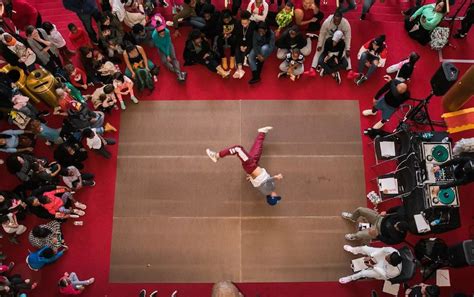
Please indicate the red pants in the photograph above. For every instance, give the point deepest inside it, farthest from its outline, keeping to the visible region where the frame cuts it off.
(249, 159)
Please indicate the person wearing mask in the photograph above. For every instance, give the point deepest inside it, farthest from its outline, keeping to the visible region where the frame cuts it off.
(393, 94)
(389, 227)
(290, 39)
(420, 24)
(86, 10)
(244, 38)
(198, 51)
(333, 58)
(372, 55)
(333, 23)
(258, 10)
(382, 263)
(404, 69)
(256, 175)
(162, 41)
(263, 45)
(308, 16)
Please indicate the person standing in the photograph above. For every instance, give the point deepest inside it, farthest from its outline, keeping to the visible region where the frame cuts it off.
(45, 51)
(86, 10)
(257, 175)
(466, 23)
(393, 94)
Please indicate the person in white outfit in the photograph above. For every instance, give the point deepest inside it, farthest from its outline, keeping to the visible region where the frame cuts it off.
(382, 263)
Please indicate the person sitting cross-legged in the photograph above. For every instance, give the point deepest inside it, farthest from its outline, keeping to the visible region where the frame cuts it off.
(382, 263)
(333, 58)
(292, 66)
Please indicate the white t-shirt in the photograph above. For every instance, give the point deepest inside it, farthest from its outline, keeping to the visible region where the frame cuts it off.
(260, 179)
(95, 142)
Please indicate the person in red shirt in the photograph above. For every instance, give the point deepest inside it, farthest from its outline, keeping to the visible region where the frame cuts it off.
(22, 13)
(308, 16)
(69, 284)
(77, 76)
(78, 37)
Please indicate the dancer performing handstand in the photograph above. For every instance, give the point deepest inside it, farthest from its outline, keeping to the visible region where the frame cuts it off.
(257, 175)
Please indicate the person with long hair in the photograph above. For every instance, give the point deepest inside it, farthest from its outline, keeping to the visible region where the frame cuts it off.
(46, 52)
(139, 67)
(420, 24)
(372, 55)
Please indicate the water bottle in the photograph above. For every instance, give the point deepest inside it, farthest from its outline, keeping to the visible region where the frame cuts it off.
(427, 135)
(435, 222)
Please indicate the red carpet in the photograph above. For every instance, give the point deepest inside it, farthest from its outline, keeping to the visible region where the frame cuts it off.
(89, 253)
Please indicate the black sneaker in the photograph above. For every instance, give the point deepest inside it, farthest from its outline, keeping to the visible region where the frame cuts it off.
(459, 36)
(361, 80)
(362, 17)
(154, 293)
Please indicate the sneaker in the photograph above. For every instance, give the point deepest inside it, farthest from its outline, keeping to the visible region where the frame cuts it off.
(347, 215)
(338, 78)
(90, 281)
(78, 212)
(321, 71)
(362, 17)
(134, 99)
(174, 294)
(122, 105)
(73, 216)
(93, 184)
(345, 280)
(312, 35)
(459, 36)
(265, 129)
(311, 72)
(155, 78)
(142, 293)
(80, 205)
(48, 143)
(368, 112)
(361, 80)
(350, 237)
(169, 23)
(347, 248)
(213, 155)
(154, 293)
(281, 74)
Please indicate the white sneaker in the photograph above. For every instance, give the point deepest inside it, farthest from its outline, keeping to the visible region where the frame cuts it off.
(347, 215)
(73, 216)
(80, 205)
(174, 294)
(169, 23)
(378, 125)
(368, 112)
(134, 99)
(213, 155)
(78, 212)
(155, 78)
(345, 280)
(265, 129)
(350, 237)
(347, 248)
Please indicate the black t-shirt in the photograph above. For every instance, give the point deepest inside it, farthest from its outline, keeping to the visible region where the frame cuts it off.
(388, 233)
(415, 292)
(392, 97)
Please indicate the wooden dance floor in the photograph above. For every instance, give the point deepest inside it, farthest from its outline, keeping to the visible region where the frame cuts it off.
(179, 217)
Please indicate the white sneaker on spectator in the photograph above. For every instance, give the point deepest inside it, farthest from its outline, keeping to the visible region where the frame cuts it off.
(264, 129)
(345, 280)
(368, 112)
(350, 237)
(78, 212)
(80, 205)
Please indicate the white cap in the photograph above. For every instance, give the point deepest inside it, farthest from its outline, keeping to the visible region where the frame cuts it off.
(337, 35)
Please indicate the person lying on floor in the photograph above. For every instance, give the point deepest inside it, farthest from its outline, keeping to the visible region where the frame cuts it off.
(382, 263)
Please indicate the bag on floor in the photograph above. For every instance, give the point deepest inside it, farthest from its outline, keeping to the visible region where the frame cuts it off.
(144, 79)
(439, 38)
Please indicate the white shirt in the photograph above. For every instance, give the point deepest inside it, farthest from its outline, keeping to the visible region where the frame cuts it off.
(118, 9)
(260, 179)
(56, 38)
(94, 143)
(382, 269)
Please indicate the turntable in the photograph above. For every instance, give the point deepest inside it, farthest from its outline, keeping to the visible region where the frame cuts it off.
(435, 153)
(445, 197)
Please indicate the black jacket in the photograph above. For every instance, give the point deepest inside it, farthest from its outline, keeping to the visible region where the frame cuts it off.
(286, 42)
(191, 56)
(388, 233)
(244, 39)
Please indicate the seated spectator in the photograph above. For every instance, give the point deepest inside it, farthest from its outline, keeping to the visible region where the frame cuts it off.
(38, 259)
(69, 284)
(211, 18)
(263, 46)
(58, 206)
(75, 180)
(332, 24)
(382, 263)
(71, 154)
(466, 23)
(134, 14)
(11, 226)
(292, 66)
(65, 101)
(388, 99)
(26, 56)
(308, 16)
(389, 227)
(463, 168)
(51, 135)
(139, 68)
(258, 10)
(284, 17)
(81, 117)
(97, 143)
(46, 53)
(111, 43)
(420, 24)
(104, 99)
(244, 42)
(111, 21)
(104, 69)
(58, 41)
(16, 141)
(86, 55)
(78, 36)
(404, 69)
(10, 202)
(123, 86)
(291, 39)
(47, 235)
(333, 58)
(226, 38)
(198, 51)
(372, 55)
(12, 285)
(188, 12)
(77, 76)
(22, 104)
(423, 290)
(21, 165)
(162, 41)
(142, 35)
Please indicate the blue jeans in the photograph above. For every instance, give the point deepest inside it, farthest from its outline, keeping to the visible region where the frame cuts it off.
(367, 5)
(266, 50)
(197, 22)
(365, 58)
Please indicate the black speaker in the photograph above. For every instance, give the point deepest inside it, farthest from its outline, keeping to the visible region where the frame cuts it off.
(444, 78)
